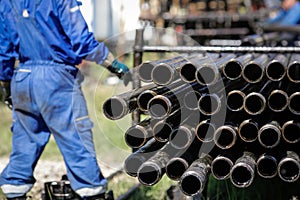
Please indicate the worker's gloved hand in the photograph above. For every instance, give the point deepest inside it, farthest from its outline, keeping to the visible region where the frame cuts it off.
(5, 95)
(121, 70)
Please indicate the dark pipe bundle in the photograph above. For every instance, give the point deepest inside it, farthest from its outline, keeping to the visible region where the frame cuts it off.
(234, 115)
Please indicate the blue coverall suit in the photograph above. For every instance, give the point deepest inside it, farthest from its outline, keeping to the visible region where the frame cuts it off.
(49, 38)
(287, 17)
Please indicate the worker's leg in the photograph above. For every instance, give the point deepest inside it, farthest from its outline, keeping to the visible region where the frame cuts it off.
(28, 140)
(64, 110)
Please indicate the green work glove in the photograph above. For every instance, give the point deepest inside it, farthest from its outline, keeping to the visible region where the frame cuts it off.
(121, 70)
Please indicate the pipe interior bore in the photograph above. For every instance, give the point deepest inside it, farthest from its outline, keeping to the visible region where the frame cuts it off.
(209, 104)
(224, 138)
(278, 101)
(267, 167)
(291, 132)
(114, 108)
(252, 72)
(135, 137)
(248, 131)
(235, 101)
(144, 99)
(254, 104)
(205, 132)
(232, 70)
(275, 71)
(144, 71)
(241, 176)
(162, 131)
(206, 75)
(190, 100)
(132, 165)
(162, 74)
(289, 170)
(221, 168)
(180, 138)
(294, 72)
(191, 184)
(158, 108)
(176, 168)
(269, 137)
(294, 103)
(148, 174)
(187, 72)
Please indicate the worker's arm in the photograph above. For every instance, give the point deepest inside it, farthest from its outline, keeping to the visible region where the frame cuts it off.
(83, 41)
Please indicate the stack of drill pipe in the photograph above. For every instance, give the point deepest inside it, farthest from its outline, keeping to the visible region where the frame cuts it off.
(235, 116)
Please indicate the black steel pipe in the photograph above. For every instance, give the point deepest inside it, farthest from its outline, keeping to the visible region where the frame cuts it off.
(290, 131)
(182, 137)
(243, 171)
(120, 105)
(188, 70)
(294, 105)
(289, 167)
(235, 100)
(205, 131)
(278, 100)
(248, 130)
(221, 167)
(225, 136)
(233, 68)
(293, 70)
(209, 73)
(277, 67)
(269, 134)
(266, 166)
(137, 135)
(193, 181)
(145, 69)
(136, 159)
(254, 70)
(166, 73)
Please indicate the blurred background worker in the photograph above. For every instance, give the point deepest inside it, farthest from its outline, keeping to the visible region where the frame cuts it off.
(289, 14)
(49, 38)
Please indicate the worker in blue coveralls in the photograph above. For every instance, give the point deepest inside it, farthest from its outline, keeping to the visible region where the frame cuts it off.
(288, 15)
(49, 38)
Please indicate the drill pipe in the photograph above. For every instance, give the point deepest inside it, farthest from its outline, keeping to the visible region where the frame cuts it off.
(290, 131)
(136, 159)
(233, 68)
(255, 102)
(178, 165)
(120, 105)
(151, 171)
(205, 131)
(278, 100)
(293, 69)
(145, 96)
(289, 167)
(163, 128)
(243, 171)
(248, 130)
(161, 106)
(269, 134)
(188, 70)
(221, 167)
(209, 73)
(166, 73)
(293, 103)
(254, 70)
(193, 180)
(137, 135)
(266, 166)
(225, 136)
(276, 69)
(182, 137)
(145, 69)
